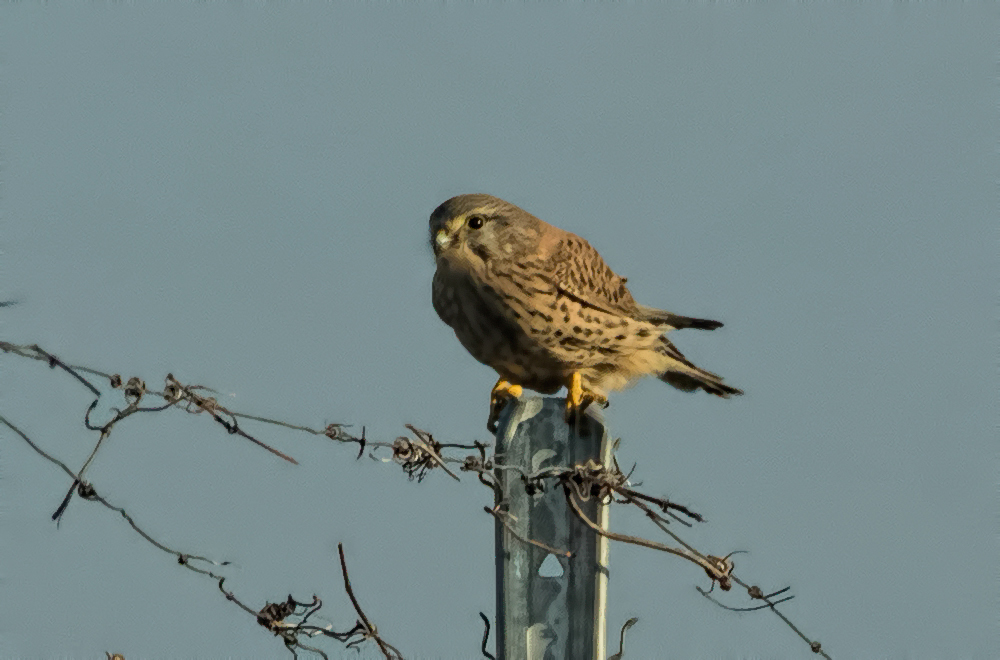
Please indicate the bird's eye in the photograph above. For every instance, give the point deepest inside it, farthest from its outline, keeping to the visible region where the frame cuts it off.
(476, 221)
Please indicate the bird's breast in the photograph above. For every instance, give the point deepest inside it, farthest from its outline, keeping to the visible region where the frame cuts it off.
(486, 323)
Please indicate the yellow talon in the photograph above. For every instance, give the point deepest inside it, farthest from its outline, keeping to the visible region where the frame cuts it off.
(502, 392)
(577, 398)
(574, 394)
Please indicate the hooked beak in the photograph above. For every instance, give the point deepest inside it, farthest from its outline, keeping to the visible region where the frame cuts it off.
(441, 240)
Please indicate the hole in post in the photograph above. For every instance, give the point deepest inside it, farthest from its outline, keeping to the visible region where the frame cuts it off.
(550, 567)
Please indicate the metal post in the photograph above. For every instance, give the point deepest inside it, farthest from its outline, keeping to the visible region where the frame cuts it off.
(558, 614)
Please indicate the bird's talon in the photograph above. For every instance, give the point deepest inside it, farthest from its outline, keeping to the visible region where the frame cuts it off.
(502, 393)
(496, 405)
(570, 414)
(577, 399)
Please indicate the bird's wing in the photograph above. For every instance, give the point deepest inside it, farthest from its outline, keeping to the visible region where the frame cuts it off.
(580, 273)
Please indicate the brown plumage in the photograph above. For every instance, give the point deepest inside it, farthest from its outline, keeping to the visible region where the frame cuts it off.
(537, 304)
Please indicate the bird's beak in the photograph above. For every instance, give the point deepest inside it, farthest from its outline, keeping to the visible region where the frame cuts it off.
(441, 239)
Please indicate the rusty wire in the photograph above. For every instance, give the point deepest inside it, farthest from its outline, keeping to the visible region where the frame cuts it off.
(621, 639)
(502, 516)
(288, 619)
(486, 637)
(273, 616)
(608, 484)
(417, 455)
(366, 629)
(423, 452)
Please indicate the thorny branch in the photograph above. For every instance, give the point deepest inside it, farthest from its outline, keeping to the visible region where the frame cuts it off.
(417, 456)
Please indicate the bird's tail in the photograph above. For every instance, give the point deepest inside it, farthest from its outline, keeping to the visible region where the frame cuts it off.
(661, 317)
(684, 375)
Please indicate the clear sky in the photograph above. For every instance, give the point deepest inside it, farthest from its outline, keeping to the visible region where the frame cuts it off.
(238, 194)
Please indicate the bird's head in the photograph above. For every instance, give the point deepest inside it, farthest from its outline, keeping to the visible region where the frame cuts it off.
(479, 228)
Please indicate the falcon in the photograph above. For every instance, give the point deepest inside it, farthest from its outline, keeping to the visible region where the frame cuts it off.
(539, 305)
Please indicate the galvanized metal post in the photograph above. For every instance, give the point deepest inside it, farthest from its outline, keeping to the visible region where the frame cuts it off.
(549, 607)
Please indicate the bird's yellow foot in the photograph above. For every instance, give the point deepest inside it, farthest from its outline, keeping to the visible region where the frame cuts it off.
(578, 398)
(502, 392)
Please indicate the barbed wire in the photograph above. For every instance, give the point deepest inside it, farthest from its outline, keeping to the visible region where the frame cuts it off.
(417, 456)
(621, 639)
(273, 616)
(486, 637)
(580, 483)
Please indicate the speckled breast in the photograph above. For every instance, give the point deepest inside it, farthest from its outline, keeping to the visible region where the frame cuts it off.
(490, 330)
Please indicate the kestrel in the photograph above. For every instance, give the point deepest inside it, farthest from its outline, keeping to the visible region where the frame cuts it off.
(540, 306)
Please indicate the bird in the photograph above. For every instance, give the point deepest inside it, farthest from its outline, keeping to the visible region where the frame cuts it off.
(541, 307)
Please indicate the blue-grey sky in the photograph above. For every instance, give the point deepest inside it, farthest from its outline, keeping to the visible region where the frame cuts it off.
(238, 194)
